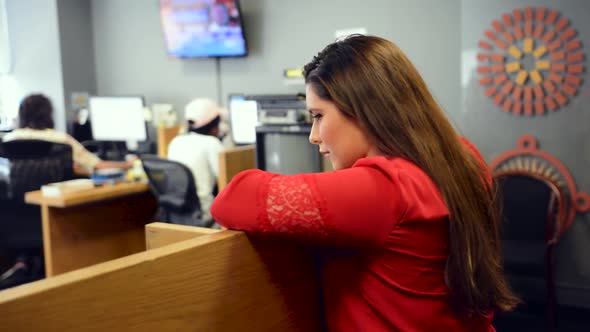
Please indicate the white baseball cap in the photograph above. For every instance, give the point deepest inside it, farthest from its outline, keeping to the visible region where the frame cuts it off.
(202, 111)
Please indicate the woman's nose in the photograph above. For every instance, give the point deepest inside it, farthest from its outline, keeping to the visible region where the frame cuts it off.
(314, 137)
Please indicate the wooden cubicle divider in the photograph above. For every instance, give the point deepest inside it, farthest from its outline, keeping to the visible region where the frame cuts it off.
(159, 234)
(234, 160)
(164, 137)
(87, 227)
(209, 281)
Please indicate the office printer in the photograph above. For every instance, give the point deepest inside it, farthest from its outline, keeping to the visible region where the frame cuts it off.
(281, 109)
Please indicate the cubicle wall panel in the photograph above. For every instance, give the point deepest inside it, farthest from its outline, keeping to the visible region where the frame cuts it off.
(216, 282)
(84, 235)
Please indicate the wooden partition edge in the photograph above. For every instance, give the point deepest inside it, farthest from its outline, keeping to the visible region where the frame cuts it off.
(214, 282)
(234, 160)
(160, 234)
(111, 266)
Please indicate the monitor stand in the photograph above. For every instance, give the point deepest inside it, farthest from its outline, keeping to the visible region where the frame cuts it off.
(132, 145)
(115, 151)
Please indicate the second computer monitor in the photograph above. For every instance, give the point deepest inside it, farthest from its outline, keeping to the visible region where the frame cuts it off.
(118, 119)
(243, 118)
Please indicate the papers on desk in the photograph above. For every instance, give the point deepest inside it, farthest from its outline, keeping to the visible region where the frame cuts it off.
(108, 175)
(61, 188)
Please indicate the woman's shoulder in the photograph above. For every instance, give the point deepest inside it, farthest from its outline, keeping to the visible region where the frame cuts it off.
(391, 165)
(207, 143)
(421, 196)
(403, 173)
(35, 134)
(195, 137)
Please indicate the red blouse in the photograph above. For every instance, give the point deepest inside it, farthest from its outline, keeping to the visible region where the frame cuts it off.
(389, 211)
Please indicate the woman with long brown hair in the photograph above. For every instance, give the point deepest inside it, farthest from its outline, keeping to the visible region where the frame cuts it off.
(411, 198)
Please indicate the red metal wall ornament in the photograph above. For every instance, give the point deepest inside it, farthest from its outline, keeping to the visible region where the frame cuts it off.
(528, 157)
(531, 61)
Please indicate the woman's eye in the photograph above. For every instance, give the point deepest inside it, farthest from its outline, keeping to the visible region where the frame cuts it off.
(317, 116)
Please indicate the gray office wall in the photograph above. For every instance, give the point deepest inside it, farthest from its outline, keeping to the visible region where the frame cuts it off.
(77, 50)
(563, 133)
(131, 58)
(36, 54)
(286, 34)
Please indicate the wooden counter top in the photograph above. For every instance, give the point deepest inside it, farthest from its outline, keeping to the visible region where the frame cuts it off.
(101, 193)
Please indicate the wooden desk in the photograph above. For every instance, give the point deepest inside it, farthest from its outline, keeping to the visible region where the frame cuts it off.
(93, 226)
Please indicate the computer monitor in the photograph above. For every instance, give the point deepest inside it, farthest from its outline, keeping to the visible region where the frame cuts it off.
(286, 150)
(243, 117)
(118, 119)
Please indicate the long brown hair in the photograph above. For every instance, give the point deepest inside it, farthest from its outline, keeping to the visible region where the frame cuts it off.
(370, 80)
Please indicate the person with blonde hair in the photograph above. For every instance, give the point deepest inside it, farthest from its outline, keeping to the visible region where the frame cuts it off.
(406, 227)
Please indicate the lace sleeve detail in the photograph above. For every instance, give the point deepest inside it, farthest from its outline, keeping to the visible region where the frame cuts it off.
(355, 207)
(293, 206)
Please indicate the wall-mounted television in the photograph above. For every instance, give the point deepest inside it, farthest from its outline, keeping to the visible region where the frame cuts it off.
(203, 28)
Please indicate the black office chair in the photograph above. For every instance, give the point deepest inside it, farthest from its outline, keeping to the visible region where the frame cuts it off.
(532, 218)
(29, 164)
(174, 186)
(26, 165)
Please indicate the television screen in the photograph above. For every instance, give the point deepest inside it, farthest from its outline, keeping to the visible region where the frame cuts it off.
(203, 28)
(286, 150)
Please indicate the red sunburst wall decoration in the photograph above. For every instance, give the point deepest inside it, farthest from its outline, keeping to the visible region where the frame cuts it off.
(531, 61)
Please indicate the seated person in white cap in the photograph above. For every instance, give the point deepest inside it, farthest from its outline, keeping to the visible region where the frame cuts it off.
(199, 148)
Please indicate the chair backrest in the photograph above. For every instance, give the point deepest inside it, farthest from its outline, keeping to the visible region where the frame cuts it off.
(172, 183)
(533, 210)
(530, 207)
(26, 165)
